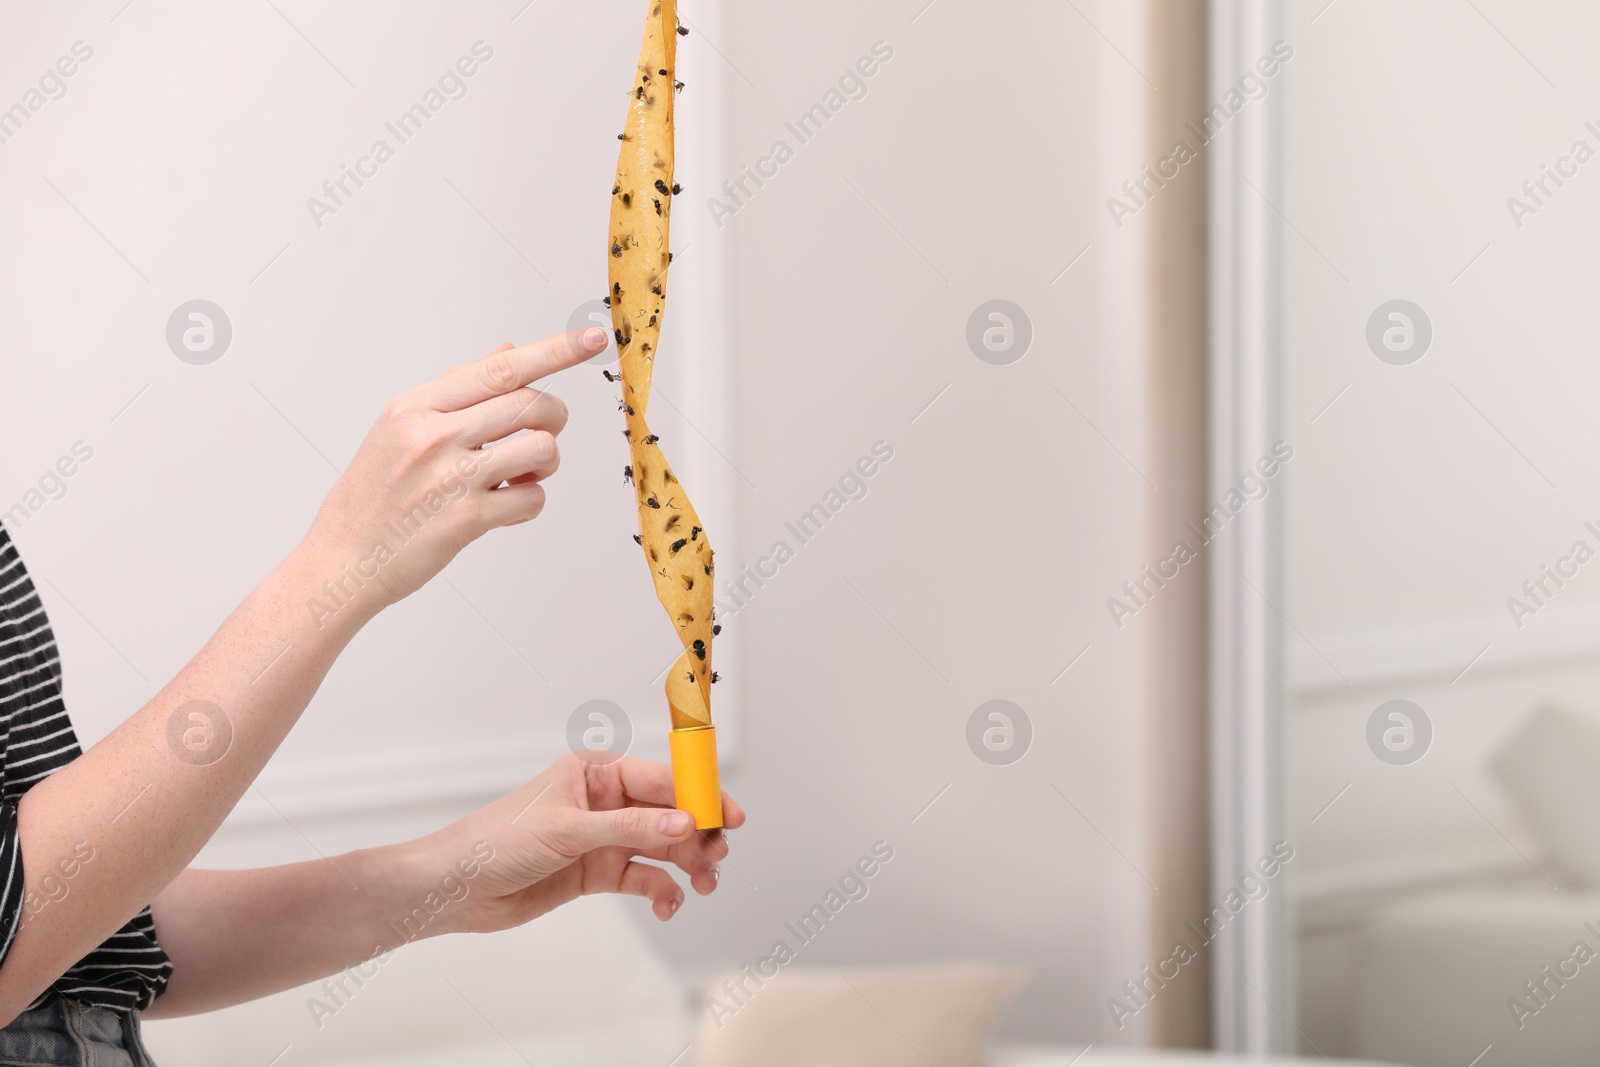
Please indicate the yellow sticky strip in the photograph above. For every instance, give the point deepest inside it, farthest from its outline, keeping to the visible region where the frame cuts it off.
(695, 780)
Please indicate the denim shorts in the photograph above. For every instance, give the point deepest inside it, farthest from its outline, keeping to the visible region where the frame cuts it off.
(65, 1033)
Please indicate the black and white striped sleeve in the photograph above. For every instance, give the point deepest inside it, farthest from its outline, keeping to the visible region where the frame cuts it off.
(11, 898)
(128, 970)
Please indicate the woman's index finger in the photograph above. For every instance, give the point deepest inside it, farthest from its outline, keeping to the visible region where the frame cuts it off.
(502, 371)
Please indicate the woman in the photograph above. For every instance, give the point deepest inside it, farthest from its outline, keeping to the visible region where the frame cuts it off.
(100, 919)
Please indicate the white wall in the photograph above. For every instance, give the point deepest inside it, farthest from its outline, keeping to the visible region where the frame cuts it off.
(991, 541)
(977, 566)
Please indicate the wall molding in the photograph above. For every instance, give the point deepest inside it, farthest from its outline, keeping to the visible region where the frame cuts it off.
(1352, 894)
(303, 790)
(1442, 650)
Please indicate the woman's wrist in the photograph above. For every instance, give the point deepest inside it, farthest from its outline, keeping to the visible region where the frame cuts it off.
(330, 590)
(429, 886)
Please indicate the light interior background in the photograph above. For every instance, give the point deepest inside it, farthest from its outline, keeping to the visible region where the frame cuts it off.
(977, 567)
(1421, 497)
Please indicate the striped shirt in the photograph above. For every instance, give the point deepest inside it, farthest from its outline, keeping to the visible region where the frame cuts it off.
(129, 970)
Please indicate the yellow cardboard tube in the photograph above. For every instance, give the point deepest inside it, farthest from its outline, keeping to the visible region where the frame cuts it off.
(696, 783)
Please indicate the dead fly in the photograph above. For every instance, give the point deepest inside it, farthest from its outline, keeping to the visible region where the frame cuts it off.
(653, 502)
(677, 546)
(651, 439)
(627, 475)
(700, 648)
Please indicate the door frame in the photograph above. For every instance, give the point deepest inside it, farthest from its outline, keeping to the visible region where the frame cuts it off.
(1253, 991)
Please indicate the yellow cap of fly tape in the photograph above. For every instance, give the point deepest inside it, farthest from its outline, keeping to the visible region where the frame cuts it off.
(695, 779)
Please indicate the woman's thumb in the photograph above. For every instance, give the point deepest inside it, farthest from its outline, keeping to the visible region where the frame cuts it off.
(642, 828)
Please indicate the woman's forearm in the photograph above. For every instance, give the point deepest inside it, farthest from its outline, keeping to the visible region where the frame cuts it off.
(237, 935)
(149, 796)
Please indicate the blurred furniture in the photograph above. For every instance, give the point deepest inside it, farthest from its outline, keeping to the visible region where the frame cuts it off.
(1435, 979)
(941, 1014)
(1436, 958)
(1058, 1056)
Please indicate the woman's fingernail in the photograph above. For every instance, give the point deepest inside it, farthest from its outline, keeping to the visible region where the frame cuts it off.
(594, 338)
(716, 875)
(675, 823)
(674, 905)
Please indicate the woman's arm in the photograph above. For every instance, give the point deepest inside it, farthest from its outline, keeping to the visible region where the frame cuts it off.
(426, 482)
(234, 936)
(575, 829)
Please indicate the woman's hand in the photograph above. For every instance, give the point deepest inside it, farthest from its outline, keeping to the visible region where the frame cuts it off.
(581, 827)
(437, 471)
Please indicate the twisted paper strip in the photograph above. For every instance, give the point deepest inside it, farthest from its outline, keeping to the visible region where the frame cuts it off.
(670, 533)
